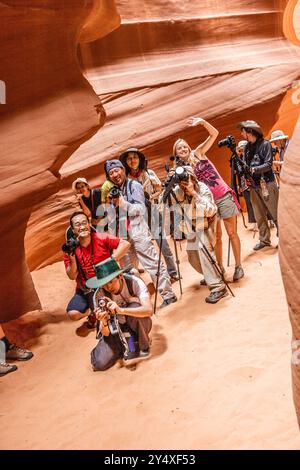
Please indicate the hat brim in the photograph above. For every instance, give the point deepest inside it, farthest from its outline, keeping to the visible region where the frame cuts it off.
(245, 125)
(94, 282)
(282, 137)
(124, 155)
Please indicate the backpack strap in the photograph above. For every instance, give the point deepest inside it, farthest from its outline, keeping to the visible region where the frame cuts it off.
(129, 282)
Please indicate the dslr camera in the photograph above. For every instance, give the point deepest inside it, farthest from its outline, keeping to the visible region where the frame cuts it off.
(70, 246)
(113, 319)
(114, 192)
(228, 142)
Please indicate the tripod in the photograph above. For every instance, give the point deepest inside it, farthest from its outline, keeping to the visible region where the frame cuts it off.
(168, 192)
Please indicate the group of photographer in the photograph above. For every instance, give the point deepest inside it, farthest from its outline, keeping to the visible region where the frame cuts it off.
(119, 222)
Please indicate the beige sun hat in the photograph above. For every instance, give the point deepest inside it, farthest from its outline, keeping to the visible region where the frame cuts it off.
(78, 180)
(278, 135)
(251, 125)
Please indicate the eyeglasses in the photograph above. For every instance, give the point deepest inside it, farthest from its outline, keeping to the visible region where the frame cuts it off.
(79, 224)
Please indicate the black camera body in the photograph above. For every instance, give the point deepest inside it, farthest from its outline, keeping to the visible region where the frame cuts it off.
(113, 319)
(181, 174)
(275, 150)
(70, 246)
(115, 192)
(229, 142)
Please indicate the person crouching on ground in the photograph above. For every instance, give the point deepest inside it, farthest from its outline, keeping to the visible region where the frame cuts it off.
(198, 224)
(90, 249)
(128, 298)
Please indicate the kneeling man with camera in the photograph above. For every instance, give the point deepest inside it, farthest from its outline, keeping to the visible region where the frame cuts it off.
(81, 254)
(123, 310)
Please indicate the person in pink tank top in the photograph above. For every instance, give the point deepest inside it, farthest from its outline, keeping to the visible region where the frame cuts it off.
(224, 196)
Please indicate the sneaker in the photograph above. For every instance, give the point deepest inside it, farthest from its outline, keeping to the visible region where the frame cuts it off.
(144, 352)
(238, 273)
(167, 302)
(130, 355)
(18, 354)
(261, 245)
(6, 368)
(215, 296)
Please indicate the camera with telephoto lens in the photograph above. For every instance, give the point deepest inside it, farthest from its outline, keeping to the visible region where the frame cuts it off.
(70, 246)
(229, 142)
(114, 192)
(112, 322)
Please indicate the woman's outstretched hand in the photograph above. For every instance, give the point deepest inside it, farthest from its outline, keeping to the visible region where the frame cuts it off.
(194, 121)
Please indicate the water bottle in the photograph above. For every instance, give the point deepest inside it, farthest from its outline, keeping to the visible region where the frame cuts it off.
(264, 188)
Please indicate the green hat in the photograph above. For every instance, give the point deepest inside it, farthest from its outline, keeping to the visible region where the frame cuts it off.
(105, 272)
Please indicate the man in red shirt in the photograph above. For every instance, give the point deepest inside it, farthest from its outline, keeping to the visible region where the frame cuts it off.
(93, 248)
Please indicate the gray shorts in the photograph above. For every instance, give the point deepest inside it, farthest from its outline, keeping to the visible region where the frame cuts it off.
(226, 207)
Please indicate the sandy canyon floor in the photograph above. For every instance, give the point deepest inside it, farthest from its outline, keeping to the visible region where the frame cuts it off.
(218, 376)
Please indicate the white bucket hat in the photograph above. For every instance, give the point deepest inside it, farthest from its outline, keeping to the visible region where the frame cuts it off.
(242, 144)
(78, 180)
(278, 135)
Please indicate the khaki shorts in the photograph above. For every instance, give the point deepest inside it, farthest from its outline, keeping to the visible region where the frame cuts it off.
(226, 207)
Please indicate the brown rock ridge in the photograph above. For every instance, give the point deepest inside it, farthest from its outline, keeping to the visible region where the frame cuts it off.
(49, 111)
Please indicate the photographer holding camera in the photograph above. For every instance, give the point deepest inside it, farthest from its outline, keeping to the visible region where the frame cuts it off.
(263, 190)
(126, 297)
(194, 201)
(130, 203)
(81, 254)
(224, 197)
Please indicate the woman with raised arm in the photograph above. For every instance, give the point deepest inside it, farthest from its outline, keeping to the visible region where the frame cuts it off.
(224, 196)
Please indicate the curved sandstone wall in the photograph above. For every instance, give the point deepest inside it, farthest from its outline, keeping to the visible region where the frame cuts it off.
(289, 213)
(49, 111)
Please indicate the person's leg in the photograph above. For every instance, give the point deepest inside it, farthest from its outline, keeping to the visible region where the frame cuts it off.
(107, 352)
(148, 258)
(260, 217)
(78, 307)
(142, 327)
(231, 229)
(272, 201)
(219, 245)
(168, 257)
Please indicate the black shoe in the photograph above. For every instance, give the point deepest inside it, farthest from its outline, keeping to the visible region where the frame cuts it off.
(203, 282)
(174, 278)
(167, 302)
(215, 296)
(260, 246)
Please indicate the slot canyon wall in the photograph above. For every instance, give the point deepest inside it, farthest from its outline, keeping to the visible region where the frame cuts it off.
(289, 214)
(49, 110)
(168, 60)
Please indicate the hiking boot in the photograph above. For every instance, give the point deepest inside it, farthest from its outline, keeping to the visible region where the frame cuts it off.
(6, 368)
(15, 353)
(238, 273)
(167, 302)
(91, 321)
(174, 278)
(215, 296)
(260, 246)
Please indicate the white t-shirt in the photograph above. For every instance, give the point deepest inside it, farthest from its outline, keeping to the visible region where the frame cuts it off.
(139, 289)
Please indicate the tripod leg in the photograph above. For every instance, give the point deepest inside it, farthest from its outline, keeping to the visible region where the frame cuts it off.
(228, 254)
(177, 264)
(159, 256)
